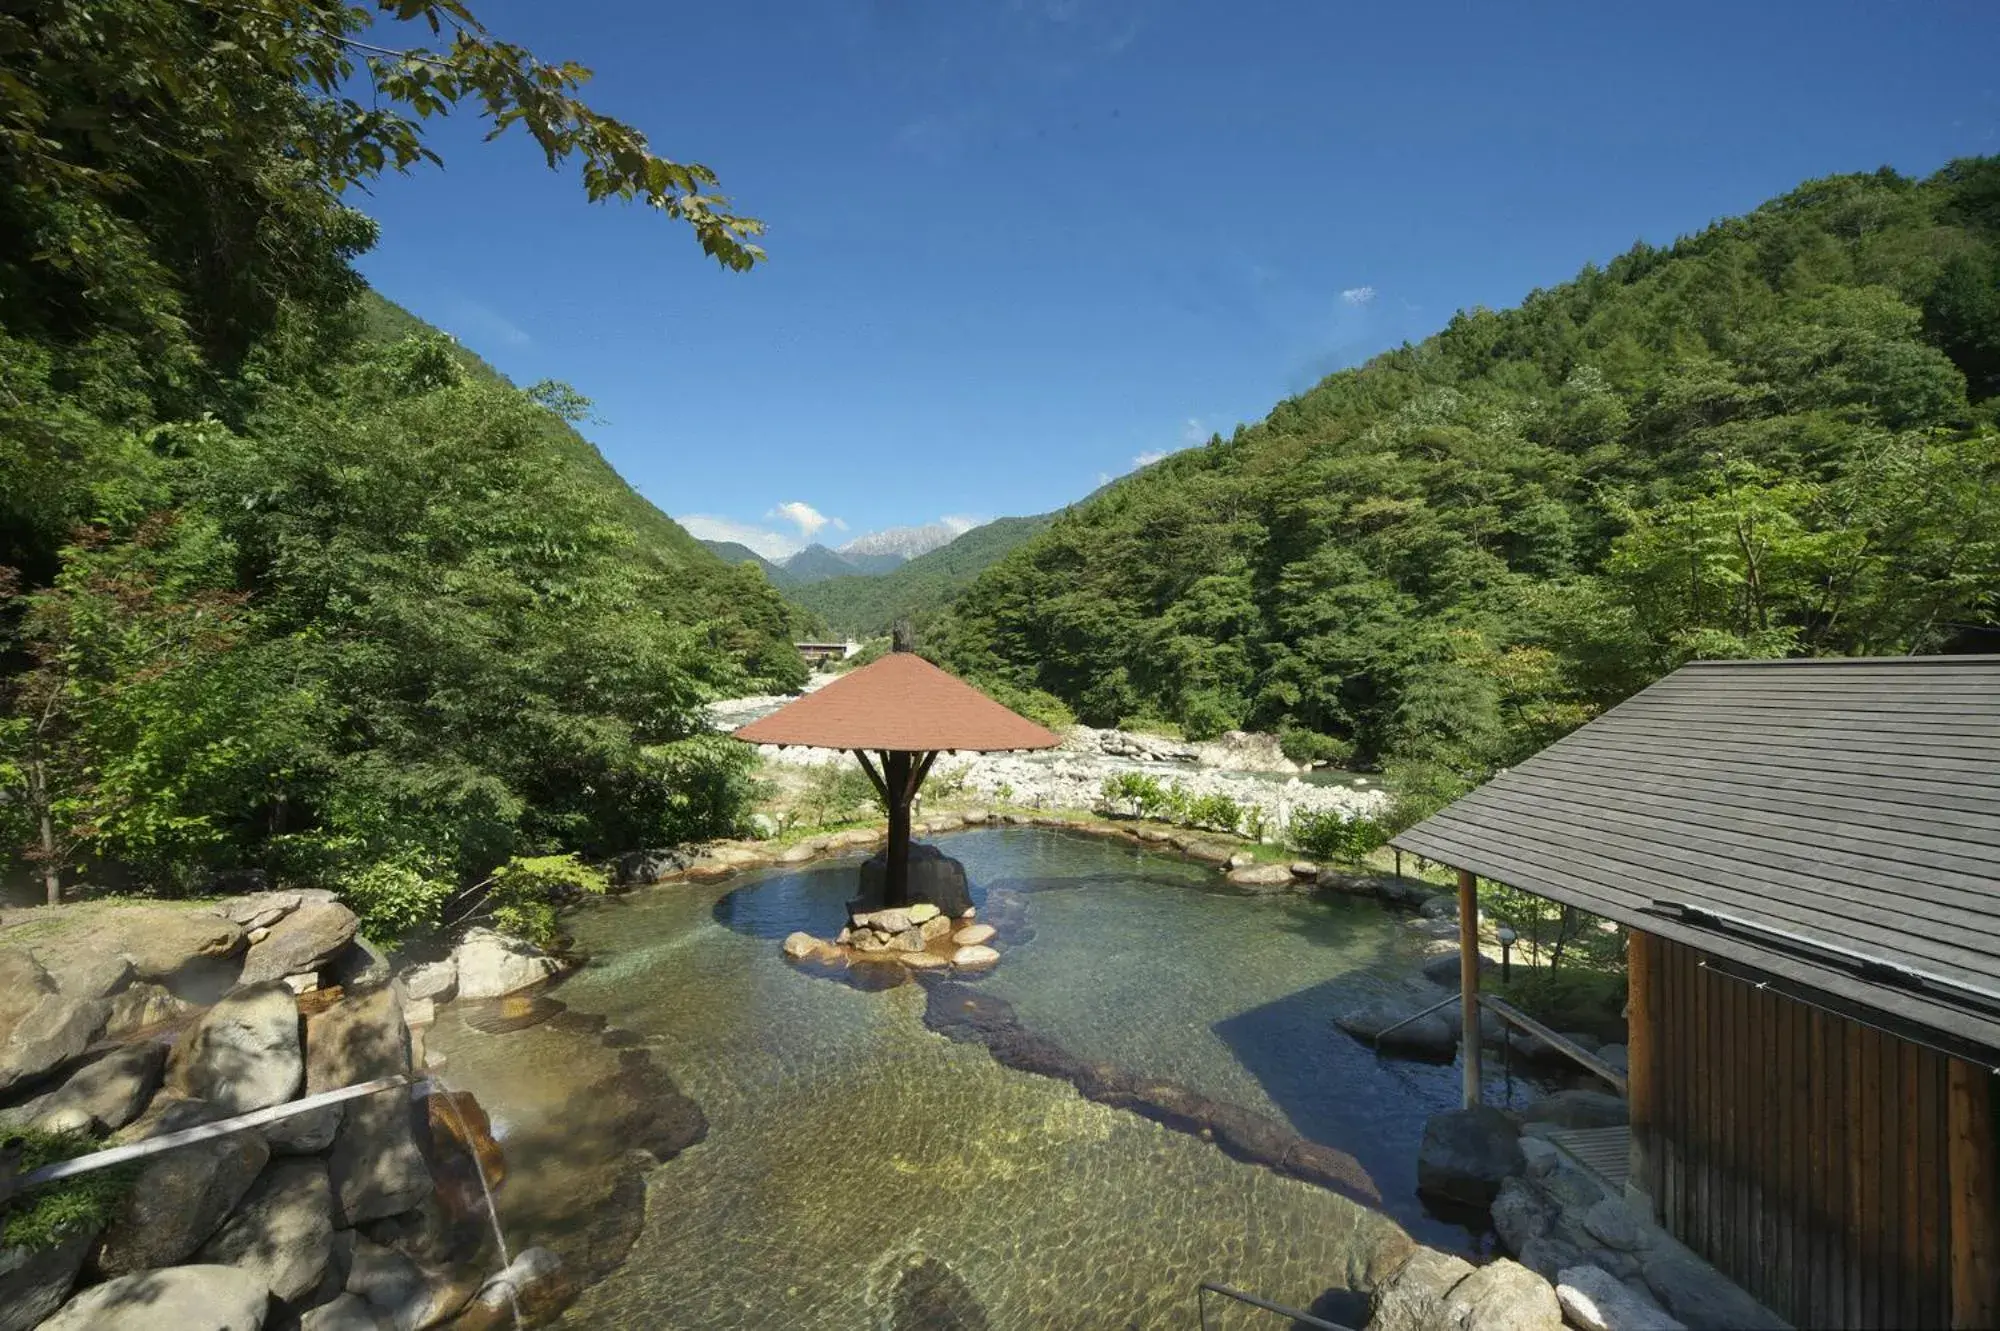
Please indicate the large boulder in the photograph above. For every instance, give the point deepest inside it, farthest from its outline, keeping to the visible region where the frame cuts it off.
(102, 1095)
(1413, 1298)
(491, 964)
(435, 980)
(282, 1233)
(243, 1053)
(165, 945)
(403, 1295)
(1443, 969)
(213, 1298)
(534, 1282)
(935, 877)
(180, 1196)
(142, 1006)
(1262, 877)
(303, 941)
(375, 1166)
(40, 1026)
(1502, 1296)
(1467, 1153)
(34, 1282)
(1595, 1300)
(1388, 1025)
(1579, 1109)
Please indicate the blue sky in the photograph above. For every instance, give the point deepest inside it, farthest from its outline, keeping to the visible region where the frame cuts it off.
(1018, 246)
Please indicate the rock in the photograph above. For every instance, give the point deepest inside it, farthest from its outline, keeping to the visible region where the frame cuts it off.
(1443, 969)
(1571, 1188)
(1579, 1109)
(33, 1283)
(1243, 859)
(375, 1166)
(305, 940)
(973, 817)
(1444, 906)
(212, 1298)
(934, 928)
(534, 1281)
(1413, 1298)
(492, 964)
(259, 910)
(462, 1149)
(1466, 1153)
(1520, 1214)
(359, 965)
(1425, 927)
(798, 854)
(1612, 1224)
(910, 940)
(305, 982)
(1620, 1266)
(644, 867)
(1696, 1294)
(282, 1233)
(40, 1027)
(141, 1006)
(922, 961)
(1304, 870)
(434, 979)
(243, 1053)
(1428, 1036)
(105, 1094)
(922, 911)
(1617, 1055)
(973, 934)
(401, 1294)
(91, 973)
(162, 944)
(1502, 1296)
(180, 1196)
(763, 826)
(800, 945)
(347, 1312)
(975, 956)
(1594, 1300)
(1548, 1255)
(1261, 876)
(1540, 1155)
(892, 921)
(1207, 852)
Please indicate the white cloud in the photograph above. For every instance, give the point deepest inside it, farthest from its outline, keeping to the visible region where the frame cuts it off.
(1358, 295)
(768, 543)
(805, 517)
(1148, 459)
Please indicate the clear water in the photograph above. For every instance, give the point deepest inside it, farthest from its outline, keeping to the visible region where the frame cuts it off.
(849, 1143)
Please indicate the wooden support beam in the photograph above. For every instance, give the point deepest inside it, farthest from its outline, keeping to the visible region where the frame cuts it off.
(875, 777)
(1975, 1196)
(896, 774)
(922, 770)
(1640, 1076)
(1468, 981)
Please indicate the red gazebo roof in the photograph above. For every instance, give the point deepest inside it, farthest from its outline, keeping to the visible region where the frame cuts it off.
(899, 702)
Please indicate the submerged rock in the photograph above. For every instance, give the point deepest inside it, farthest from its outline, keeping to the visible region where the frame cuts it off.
(1396, 1028)
(1466, 1155)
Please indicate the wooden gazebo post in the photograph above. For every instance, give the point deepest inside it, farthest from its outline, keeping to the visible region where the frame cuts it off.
(897, 780)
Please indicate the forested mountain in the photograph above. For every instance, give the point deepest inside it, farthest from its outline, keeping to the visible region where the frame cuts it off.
(735, 552)
(919, 589)
(287, 580)
(1775, 437)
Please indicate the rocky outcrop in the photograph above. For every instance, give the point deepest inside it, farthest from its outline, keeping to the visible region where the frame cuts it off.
(40, 1026)
(302, 941)
(181, 1196)
(214, 1298)
(375, 1166)
(491, 965)
(1467, 1154)
(282, 1232)
(243, 1053)
(101, 1096)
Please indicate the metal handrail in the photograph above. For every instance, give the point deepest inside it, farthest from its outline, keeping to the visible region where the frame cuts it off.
(1446, 1001)
(1208, 1287)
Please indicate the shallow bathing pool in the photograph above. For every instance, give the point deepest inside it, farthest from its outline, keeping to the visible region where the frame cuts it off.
(861, 1170)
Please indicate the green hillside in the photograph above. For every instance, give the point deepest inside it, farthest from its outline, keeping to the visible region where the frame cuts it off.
(1774, 437)
(920, 588)
(735, 552)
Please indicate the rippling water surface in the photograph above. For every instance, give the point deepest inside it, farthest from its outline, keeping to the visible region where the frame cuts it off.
(862, 1171)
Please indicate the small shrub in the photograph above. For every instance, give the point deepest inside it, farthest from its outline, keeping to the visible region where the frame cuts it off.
(1331, 835)
(1419, 789)
(1044, 709)
(832, 792)
(947, 783)
(1204, 715)
(523, 894)
(1309, 746)
(45, 1216)
(1136, 792)
(1218, 812)
(395, 899)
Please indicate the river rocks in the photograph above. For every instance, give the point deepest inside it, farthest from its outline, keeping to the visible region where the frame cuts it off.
(974, 956)
(103, 1095)
(1467, 1153)
(402, 1295)
(800, 945)
(1594, 1300)
(243, 1053)
(213, 1298)
(1413, 1298)
(33, 1282)
(974, 934)
(1262, 877)
(303, 941)
(492, 964)
(437, 980)
(1389, 1023)
(40, 1027)
(1579, 1109)
(282, 1233)
(534, 1281)
(180, 1196)
(1699, 1296)
(1502, 1296)
(1521, 1214)
(923, 961)
(375, 1166)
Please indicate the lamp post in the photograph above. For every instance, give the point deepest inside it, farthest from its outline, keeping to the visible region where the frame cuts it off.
(1506, 937)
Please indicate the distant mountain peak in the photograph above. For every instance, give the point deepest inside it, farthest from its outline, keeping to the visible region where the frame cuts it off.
(905, 542)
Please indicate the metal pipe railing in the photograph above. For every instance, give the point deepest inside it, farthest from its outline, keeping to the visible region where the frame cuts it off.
(1208, 1287)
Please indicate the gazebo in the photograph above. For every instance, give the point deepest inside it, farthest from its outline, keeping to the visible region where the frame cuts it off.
(905, 711)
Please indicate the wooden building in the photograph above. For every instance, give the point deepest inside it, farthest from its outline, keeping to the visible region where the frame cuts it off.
(1806, 855)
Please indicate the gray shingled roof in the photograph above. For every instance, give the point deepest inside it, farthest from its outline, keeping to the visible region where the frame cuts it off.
(1831, 824)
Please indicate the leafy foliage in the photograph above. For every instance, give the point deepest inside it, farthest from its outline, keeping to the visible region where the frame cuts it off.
(43, 1217)
(920, 589)
(1330, 835)
(1776, 437)
(523, 894)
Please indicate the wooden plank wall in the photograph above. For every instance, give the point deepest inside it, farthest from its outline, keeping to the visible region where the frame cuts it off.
(1803, 1154)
